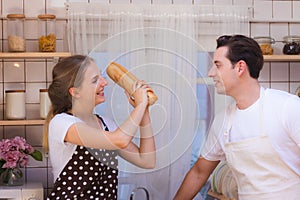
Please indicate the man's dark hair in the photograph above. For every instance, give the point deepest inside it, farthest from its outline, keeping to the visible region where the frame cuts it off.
(241, 47)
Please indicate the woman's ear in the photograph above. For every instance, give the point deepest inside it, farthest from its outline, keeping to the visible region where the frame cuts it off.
(73, 91)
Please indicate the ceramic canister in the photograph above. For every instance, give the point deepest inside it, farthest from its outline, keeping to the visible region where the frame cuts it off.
(44, 103)
(15, 104)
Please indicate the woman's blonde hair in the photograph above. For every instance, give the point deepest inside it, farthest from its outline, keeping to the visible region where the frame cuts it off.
(67, 73)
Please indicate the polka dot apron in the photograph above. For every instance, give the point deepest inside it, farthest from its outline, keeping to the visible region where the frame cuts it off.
(90, 174)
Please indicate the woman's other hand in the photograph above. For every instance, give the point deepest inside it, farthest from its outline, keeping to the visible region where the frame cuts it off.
(140, 94)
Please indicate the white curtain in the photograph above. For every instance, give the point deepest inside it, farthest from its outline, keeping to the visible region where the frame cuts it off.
(159, 44)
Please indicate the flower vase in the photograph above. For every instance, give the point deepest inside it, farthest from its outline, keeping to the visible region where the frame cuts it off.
(12, 177)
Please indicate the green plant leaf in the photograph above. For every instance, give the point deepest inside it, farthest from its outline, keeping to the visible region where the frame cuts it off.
(37, 155)
(2, 162)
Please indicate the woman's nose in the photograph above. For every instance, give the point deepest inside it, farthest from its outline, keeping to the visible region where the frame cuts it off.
(103, 81)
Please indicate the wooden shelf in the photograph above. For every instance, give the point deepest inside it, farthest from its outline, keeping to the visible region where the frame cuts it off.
(41, 55)
(27, 55)
(281, 58)
(253, 20)
(22, 122)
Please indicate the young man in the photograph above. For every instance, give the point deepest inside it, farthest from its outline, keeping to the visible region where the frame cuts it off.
(259, 135)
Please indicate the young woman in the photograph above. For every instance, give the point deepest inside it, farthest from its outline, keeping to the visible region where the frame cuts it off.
(83, 146)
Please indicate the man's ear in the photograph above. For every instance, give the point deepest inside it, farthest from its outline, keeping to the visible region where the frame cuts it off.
(73, 91)
(241, 67)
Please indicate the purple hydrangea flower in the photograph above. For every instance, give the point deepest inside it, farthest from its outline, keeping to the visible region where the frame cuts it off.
(15, 152)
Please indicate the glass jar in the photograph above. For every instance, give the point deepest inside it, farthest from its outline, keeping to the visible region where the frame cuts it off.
(292, 45)
(12, 177)
(15, 104)
(44, 103)
(265, 44)
(15, 32)
(47, 33)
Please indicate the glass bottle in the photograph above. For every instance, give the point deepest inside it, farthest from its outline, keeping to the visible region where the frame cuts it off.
(15, 32)
(47, 33)
(15, 104)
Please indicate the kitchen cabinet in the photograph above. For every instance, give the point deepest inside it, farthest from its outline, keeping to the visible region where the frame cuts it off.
(30, 55)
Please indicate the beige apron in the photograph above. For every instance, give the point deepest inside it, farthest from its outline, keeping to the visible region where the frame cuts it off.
(258, 169)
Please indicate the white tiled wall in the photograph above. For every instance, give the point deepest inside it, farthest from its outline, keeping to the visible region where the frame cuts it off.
(277, 19)
(270, 18)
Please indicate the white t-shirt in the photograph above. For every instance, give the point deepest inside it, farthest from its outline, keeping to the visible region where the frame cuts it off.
(279, 119)
(60, 152)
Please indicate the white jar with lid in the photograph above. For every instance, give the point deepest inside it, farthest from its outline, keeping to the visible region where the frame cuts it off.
(45, 103)
(15, 104)
(15, 32)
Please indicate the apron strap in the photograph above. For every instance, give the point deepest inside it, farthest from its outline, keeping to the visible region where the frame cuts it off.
(102, 121)
(229, 124)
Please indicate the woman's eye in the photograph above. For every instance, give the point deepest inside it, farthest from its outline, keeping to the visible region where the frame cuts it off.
(95, 80)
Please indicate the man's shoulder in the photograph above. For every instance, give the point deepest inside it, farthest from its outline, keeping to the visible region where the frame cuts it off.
(281, 100)
(277, 93)
(278, 96)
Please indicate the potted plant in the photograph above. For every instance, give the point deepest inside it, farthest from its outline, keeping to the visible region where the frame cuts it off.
(14, 154)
